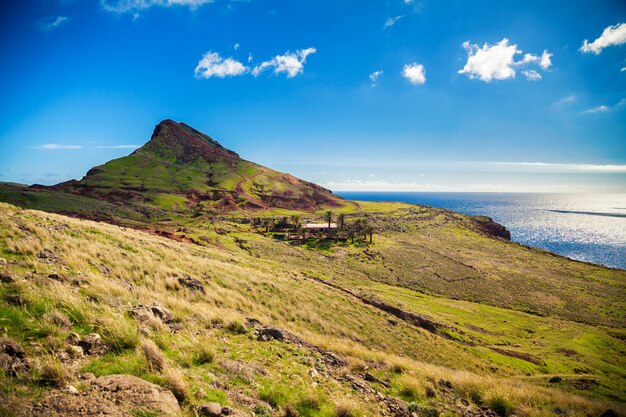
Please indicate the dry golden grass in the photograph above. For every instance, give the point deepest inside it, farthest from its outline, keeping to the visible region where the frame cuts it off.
(153, 355)
(115, 269)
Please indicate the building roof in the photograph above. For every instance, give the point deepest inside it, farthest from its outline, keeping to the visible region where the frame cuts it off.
(319, 225)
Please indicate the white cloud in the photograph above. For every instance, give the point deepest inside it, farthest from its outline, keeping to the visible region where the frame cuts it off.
(604, 108)
(531, 75)
(623, 69)
(415, 73)
(57, 146)
(611, 35)
(236, 46)
(497, 62)
(546, 60)
(213, 65)
(291, 63)
(52, 22)
(374, 77)
(565, 100)
(135, 6)
(118, 146)
(544, 166)
(391, 21)
(597, 109)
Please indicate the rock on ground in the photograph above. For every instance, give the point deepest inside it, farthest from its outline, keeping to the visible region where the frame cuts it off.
(110, 395)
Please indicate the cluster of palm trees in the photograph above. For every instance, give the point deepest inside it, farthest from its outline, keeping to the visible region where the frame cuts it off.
(292, 227)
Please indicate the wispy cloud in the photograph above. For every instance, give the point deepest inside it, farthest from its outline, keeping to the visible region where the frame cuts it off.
(118, 146)
(374, 77)
(605, 109)
(598, 109)
(391, 21)
(414, 73)
(543, 166)
(417, 186)
(497, 62)
(290, 63)
(50, 23)
(136, 6)
(611, 36)
(531, 75)
(565, 101)
(58, 146)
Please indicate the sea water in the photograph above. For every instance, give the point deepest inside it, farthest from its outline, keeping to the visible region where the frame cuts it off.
(585, 227)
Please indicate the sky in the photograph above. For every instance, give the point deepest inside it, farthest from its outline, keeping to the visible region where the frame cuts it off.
(390, 95)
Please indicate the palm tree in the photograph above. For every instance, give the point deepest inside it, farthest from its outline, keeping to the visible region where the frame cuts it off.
(295, 219)
(267, 222)
(329, 217)
(341, 219)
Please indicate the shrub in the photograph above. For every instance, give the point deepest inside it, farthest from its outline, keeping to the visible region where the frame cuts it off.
(308, 406)
(262, 411)
(174, 382)
(501, 406)
(202, 354)
(346, 409)
(273, 397)
(236, 328)
(153, 355)
(52, 372)
(291, 411)
(118, 334)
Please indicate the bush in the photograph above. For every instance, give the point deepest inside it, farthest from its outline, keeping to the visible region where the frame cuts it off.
(291, 411)
(262, 411)
(52, 372)
(308, 406)
(202, 355)
(174, 382)
(501, 406)
(346, 409)
(236, 328)
(153, 355)
(117, 333)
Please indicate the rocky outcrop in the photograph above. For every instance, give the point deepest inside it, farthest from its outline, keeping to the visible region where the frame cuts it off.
(13, 359)
(487, 226)
(111, 395)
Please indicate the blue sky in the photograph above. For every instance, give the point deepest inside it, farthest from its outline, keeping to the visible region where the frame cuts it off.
(388, 95)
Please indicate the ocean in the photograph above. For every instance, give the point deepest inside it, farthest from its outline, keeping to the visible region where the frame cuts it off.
(585, 227)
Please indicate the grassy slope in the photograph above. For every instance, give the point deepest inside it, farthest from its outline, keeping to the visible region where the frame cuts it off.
(271, 281)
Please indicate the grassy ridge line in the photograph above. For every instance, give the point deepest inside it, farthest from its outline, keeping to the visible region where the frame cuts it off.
(110, 261)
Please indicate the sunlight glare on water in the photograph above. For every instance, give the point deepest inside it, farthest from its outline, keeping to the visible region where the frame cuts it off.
(586, 227)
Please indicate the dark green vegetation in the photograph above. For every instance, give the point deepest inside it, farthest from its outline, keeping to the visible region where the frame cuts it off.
(438, 315)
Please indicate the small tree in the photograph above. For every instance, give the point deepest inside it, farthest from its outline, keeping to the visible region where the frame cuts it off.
(295, 219)
(341, 219)
(329, 217)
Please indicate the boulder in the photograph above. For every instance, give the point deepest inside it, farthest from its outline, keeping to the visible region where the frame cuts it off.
(210, 410)
(92, 344)
(62, 404)
(13, 358)
(132, 393)
(555, 380)
(191, 283)
(163, 313)
(270, 333)
(14, 299)
(7, 279)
